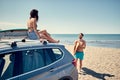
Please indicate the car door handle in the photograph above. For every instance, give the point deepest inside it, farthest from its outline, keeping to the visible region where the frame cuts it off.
(51, 69)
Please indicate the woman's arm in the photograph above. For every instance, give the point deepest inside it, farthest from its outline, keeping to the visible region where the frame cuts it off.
(35, 27)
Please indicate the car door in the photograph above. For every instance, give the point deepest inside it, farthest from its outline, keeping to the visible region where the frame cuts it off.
(35, 64)
(51, 58)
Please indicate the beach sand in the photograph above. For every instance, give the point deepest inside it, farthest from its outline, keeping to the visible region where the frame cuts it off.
(100, 63)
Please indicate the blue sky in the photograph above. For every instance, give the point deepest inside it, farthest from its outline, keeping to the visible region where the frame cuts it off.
(64, 16)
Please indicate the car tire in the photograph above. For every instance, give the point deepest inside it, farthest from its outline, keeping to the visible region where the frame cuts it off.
(66, 78)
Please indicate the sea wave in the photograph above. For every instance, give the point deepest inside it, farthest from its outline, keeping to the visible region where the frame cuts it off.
(99, 43)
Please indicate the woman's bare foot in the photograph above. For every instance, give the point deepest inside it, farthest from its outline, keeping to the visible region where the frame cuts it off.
(55, 41)
(58, 41)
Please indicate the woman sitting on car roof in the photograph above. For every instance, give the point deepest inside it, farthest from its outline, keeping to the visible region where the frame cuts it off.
(35, 34)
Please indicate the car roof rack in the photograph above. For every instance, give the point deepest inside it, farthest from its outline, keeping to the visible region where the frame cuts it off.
(13, 43)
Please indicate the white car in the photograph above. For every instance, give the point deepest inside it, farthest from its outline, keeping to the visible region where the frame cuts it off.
(32, 60)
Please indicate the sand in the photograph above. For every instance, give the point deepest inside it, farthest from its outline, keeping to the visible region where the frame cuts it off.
(100, 63)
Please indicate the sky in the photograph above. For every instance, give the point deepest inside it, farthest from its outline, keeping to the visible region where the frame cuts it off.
(63, 16)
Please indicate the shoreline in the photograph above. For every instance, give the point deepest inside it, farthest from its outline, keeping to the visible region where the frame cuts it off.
(95, 46)
(100, 63)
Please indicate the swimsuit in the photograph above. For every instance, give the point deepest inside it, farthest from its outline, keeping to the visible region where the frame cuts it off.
(79, 55)
(32, 35)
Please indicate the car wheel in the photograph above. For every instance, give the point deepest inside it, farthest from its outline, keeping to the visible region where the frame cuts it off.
(66, 78)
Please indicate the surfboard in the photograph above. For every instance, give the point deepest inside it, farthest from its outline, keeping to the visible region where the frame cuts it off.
(13, 33)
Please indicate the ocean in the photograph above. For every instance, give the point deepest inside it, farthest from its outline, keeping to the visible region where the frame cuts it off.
(98, 40)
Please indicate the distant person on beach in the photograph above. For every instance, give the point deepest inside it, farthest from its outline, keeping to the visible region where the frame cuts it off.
(35, 34)
(78, 51)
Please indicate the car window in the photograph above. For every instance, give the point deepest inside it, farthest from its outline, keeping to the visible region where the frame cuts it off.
(58, 53)
(32, 60)
(19, 62)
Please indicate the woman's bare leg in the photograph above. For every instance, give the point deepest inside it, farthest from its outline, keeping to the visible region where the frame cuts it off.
(48, 37)
(45, 32)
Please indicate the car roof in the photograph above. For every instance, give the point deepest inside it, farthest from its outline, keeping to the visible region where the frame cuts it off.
(17, 44)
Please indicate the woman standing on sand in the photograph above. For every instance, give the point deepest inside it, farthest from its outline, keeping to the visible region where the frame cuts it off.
(79, 46)
(33, 33)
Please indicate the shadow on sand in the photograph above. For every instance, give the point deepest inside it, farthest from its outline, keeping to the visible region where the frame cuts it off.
(100, 76)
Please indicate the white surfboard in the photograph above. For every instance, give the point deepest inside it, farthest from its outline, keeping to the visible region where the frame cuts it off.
(13, 34)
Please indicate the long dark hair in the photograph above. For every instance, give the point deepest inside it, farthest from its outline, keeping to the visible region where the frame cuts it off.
(34, 14)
